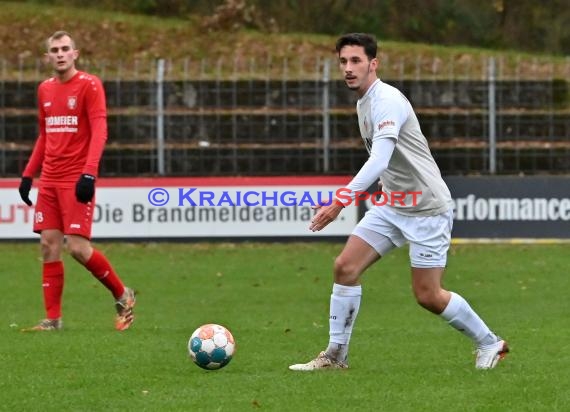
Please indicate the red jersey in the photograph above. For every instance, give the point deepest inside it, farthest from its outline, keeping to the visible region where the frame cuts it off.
(73, 129)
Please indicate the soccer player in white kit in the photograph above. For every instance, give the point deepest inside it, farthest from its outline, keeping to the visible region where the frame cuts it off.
(401, 159)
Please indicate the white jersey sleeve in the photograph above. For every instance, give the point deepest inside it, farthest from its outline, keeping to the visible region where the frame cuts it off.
(380, 154)
(388, 117)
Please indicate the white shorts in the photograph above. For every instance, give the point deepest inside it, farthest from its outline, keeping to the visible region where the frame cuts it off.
(429, 236)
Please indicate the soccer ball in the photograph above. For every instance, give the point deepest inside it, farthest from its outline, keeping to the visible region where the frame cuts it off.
(211, 346)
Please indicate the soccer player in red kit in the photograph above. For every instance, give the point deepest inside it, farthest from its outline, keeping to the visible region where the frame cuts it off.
(73, 131)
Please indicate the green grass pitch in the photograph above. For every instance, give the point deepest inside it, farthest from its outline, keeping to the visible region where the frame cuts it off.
(274, 298)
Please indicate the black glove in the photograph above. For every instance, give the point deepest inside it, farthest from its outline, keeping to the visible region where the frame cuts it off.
(24, 189)
(85, 188)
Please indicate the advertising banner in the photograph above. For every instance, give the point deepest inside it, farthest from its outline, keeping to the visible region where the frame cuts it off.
(281, 207)
(155, 208)
(507, 207)
(511, 207)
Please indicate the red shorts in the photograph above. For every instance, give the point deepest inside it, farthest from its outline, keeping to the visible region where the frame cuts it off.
(58, 208)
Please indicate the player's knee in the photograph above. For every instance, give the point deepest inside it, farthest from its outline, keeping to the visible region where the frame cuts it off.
(50, 249)
(73, 250)
(428, 299)
(345, 271)
(77, 251)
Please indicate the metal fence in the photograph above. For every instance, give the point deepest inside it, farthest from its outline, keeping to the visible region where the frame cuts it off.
(486, 116)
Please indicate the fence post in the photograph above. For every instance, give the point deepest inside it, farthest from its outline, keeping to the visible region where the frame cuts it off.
(2, 117)
(326, 116)
(160, 116)
(492, 113)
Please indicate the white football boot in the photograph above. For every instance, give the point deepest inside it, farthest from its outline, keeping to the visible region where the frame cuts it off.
(489, 356)
(323, 361)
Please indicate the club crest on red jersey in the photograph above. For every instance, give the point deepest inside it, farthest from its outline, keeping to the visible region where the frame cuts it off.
(72, 102)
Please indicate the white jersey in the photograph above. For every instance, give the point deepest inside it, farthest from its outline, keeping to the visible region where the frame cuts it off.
(385, 113)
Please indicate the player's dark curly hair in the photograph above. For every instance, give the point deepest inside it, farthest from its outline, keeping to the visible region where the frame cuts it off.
(367, 41)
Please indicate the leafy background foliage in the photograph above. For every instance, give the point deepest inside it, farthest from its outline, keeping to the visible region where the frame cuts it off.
(515, 24)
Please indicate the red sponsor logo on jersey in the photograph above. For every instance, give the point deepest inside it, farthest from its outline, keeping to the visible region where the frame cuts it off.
(386, 123)
(72, 102)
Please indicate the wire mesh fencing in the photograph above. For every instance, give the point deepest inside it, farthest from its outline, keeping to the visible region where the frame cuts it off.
(237, 117)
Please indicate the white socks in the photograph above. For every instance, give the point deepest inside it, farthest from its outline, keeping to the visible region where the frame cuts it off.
(459, 314)
(345, 302)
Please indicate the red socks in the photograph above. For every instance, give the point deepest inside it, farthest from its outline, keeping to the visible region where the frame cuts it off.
(100, 267)
(52, 283)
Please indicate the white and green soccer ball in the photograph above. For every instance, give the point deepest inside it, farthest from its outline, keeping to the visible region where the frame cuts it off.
(211, 346)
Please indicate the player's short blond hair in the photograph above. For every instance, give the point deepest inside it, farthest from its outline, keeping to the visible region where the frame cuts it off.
(58, 35)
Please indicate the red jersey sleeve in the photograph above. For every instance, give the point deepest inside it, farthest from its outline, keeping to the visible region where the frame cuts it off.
(37, 156)
(97, 114)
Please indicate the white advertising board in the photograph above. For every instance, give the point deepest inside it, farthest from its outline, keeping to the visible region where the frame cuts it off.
(157, 208)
